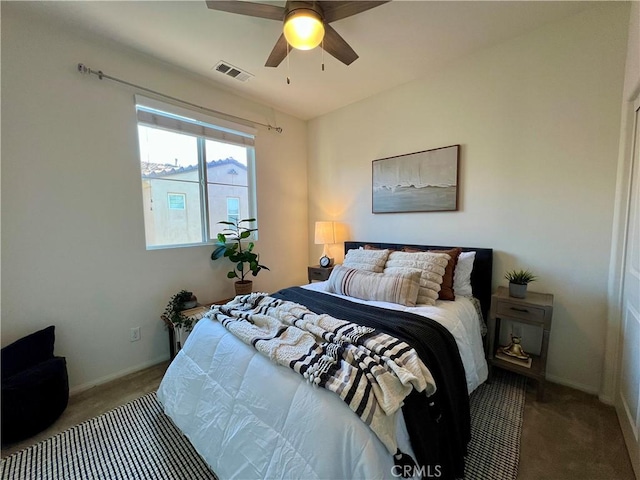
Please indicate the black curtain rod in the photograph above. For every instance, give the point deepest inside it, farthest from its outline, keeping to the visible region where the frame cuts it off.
(82, 68)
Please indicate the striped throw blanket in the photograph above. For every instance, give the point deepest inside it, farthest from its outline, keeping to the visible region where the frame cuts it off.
(372, 372)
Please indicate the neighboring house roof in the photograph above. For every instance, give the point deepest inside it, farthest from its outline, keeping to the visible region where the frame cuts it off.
(155, 170)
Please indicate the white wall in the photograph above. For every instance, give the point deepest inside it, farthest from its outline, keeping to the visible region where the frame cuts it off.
(73, 246)
(538, 118)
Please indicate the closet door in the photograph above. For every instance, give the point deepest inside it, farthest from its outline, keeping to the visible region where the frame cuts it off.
(628, 396)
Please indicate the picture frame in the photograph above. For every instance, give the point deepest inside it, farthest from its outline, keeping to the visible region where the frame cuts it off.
(425, 181)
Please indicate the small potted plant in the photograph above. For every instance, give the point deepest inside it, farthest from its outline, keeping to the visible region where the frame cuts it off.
(518, 281)
(175, 319)
(229, 245)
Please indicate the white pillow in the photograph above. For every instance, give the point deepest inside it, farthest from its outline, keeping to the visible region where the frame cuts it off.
(462, 275)
(368, 260)
(431, 267)
(401, 288)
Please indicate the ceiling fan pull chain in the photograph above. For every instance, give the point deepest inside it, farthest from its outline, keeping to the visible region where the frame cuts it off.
(322, 47)
(288, 79)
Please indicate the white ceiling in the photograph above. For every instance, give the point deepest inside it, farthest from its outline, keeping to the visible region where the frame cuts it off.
(397, 42)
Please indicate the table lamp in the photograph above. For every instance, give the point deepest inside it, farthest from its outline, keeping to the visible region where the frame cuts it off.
(325, 234)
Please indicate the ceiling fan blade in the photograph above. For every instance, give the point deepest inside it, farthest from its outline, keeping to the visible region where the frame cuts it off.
(337, 10)
(335, 45)
(278, 53)
(261, 10)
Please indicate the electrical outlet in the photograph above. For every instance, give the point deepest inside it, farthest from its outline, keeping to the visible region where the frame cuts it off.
(135, 334)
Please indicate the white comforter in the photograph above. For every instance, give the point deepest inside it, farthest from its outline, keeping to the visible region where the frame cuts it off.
(252, 419)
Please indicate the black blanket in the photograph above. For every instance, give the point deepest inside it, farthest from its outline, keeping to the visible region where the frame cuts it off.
(440, 432)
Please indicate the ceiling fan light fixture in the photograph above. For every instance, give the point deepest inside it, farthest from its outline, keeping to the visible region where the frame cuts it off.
(304, 29)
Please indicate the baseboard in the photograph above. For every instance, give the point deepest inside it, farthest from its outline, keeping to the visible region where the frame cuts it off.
(114, 376)
(607, 399)
(575, 385)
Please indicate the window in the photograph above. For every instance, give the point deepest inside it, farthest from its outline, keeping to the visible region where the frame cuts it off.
(233, 209)
(196, 171)
(177, 201)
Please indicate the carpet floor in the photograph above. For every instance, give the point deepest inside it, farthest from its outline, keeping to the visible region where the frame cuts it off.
(137, 441)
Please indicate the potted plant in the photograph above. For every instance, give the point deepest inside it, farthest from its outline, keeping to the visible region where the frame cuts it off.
(174, 317)
(518, 281)
(229, 245)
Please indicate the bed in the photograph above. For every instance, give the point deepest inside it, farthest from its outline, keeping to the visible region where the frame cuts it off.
(251, 418)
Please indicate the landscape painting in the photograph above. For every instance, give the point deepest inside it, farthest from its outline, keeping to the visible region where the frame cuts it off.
(424, 181)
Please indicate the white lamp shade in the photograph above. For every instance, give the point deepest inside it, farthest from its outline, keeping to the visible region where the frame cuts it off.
(304, 29)
(325, 233)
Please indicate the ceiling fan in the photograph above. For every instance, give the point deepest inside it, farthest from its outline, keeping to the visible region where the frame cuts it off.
(306, 24)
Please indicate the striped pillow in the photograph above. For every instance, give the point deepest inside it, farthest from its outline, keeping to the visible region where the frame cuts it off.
(431, 266)
(369, 260)
(401, 288)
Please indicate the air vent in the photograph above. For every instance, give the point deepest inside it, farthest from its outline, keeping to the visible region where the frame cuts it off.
(231, 71)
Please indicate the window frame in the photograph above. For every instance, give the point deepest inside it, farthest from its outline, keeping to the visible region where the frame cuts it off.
(179, 120)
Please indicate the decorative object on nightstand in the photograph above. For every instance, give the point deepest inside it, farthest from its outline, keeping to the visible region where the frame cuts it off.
(244, 260)
(536, 309)
(319, 273)
(176, 320)
(514, 353)
(180, 321)
(183, 300)
(518, 281)
(325, 234)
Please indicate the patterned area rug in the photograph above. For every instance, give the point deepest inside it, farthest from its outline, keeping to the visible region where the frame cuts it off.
(497, 409)
(137, 441)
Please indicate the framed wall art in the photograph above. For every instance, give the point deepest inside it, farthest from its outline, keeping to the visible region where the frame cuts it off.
(424, 181)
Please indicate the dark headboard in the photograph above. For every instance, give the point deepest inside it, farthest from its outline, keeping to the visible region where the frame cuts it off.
(481, 276)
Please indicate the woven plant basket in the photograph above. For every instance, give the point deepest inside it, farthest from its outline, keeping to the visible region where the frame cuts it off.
(244, 287)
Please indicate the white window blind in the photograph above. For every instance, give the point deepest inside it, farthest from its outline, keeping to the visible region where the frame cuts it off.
(153, 113)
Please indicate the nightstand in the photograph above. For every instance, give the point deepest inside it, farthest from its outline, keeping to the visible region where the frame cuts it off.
(535, 309)
(319, 273)
(195, 313)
